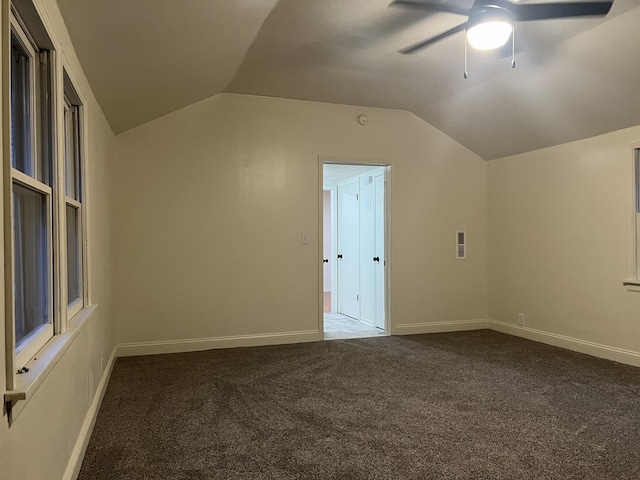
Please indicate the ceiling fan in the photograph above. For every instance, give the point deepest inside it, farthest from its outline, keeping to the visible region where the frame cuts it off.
(490, 22)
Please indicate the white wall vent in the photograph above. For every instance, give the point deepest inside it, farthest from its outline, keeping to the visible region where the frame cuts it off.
(461, 244)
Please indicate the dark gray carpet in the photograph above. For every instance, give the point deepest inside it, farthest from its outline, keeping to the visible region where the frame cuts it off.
(469, 405)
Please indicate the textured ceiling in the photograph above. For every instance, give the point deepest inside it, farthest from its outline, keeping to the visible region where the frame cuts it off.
(574, 78)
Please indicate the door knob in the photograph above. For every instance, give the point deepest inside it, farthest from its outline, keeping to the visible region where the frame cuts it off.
(376, 259)
(326, 260)
(339, 256)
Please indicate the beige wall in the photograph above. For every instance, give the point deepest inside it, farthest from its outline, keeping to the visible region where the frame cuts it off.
(212, 200)
(560, 236)
(40, 442)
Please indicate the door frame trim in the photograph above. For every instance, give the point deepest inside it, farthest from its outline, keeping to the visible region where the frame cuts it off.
(333, 189)
(388, 192)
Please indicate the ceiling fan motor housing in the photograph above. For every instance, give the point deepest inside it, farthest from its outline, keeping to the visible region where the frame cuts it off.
(489, 13)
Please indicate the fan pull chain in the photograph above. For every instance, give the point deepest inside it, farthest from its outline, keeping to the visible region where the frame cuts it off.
(465, 57)
(513, 48)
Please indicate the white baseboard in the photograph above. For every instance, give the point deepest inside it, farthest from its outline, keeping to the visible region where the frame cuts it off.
(621, 355)
(197, 344)
(77, 455)
(440, 327)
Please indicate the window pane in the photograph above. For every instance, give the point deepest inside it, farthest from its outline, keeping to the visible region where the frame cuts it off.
(21, 154)
(31, 272)
(46, 115)
(74, 255)
(72, 150)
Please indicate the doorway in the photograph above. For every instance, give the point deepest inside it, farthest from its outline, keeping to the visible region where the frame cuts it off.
(354, 246)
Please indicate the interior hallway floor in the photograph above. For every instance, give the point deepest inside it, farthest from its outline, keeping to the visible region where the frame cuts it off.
(338, 326)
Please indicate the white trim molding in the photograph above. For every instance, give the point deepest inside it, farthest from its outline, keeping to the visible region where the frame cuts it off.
(80, 448)
(440, 327)
(198, 344)
(621, 355)
(39, 368)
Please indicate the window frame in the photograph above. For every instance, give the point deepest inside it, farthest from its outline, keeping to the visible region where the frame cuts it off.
(73, 100)
(636, 213)
(25, 350)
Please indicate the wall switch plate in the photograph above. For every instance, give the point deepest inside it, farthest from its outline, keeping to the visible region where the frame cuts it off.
(521, 319)
(304, 238)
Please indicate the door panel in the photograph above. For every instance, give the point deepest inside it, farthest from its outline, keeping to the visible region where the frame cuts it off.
(349, 264)
(326, 240)
(367, 250)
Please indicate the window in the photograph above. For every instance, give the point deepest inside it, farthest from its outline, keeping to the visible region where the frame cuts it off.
(32, 194)
(46, 279)
(73, 199)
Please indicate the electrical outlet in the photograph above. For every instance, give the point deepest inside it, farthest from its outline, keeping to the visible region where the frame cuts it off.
(521, 319)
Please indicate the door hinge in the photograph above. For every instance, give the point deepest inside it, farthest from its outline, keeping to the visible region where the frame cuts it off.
(357, 298)
(357, 197)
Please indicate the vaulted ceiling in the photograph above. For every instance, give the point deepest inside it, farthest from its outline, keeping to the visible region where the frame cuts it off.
(575, 78)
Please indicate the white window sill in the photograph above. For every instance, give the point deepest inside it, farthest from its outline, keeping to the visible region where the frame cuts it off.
(632, 285)
(43, 363)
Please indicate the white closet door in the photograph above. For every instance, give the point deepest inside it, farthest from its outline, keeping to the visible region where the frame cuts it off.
(347, 257)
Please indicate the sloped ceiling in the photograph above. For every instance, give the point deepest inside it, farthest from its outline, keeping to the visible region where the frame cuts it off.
(574, 78)
(146, 58)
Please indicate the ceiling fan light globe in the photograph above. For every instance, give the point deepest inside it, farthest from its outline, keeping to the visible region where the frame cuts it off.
(489, 35)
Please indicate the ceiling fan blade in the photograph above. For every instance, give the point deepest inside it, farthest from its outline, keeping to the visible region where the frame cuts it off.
(545, 11)
(431, 5)
(425, 43)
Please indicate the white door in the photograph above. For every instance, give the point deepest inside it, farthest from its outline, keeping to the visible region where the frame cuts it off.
(367, 250)
(326, 240)
(347, 257)
(379, 262)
